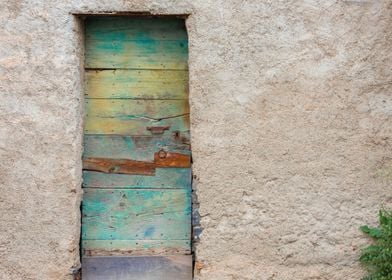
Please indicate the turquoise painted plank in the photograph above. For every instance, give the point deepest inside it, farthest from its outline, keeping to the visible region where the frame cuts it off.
(175, 267)
(135, 247)
(175, 178)
(126, 214)
(136, 84)
(117, 43)
(141, 28)
(140, 148)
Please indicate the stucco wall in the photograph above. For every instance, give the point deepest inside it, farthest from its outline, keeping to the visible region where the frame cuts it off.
(291, 133)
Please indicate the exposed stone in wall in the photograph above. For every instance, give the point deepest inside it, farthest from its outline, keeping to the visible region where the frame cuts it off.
(291, 133)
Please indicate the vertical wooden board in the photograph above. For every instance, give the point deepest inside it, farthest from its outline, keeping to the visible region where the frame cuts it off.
(135, 247)
(137, 268)
(137, 84)
(128, 214)
(133, 147)
(164, 178)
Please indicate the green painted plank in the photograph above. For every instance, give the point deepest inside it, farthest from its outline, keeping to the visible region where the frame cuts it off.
(136, 44)
(140, 148)
(135, 247)
(137, 84)
(164, 178)
(178, 267)
(126, 214)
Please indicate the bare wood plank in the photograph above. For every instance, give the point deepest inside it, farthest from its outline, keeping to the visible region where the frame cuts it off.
(119, 166)
(168, 159)
(127, 214)
(140, 148)
(164, 178)
(136, 84)
(135, 247)
(137, 268)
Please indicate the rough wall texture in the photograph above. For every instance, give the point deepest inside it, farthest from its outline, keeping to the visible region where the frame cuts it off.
(291, 123)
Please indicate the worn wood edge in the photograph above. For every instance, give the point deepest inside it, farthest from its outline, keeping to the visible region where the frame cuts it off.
(165, 267)
(135, 247)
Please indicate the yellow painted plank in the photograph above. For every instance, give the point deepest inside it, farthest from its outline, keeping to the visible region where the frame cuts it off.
(135, 247)
(137, 84)
(133, 117)
(135, 109)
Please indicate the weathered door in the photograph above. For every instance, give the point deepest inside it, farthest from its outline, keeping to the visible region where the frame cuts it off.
(136, 210)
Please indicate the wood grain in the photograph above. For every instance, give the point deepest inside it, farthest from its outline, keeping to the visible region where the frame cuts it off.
(138, 44)
(134, 147)
(137, 268)
(169, 159)
(136, 84)
(133, 117)
(164, 178)
(126, 214)
(119, 166)
(135, 247)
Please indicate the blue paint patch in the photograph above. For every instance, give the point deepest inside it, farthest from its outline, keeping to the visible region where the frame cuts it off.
(149, 232)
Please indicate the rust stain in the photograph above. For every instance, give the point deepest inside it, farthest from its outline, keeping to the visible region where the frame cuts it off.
(199, 266)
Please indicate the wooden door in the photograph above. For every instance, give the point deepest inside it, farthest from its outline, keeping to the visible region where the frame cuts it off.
(136, 210)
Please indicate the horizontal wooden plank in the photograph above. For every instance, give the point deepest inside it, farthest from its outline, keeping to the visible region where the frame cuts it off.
(162, 159)
(135, 247)
(167, 159)
(136, 109)
(137, 84)
(119, 166)
(126, 214)
(141, 28)
(134, 117)
(137, 127)
(177, 267)
(136, 44)
(134, 147)
(164, 178)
